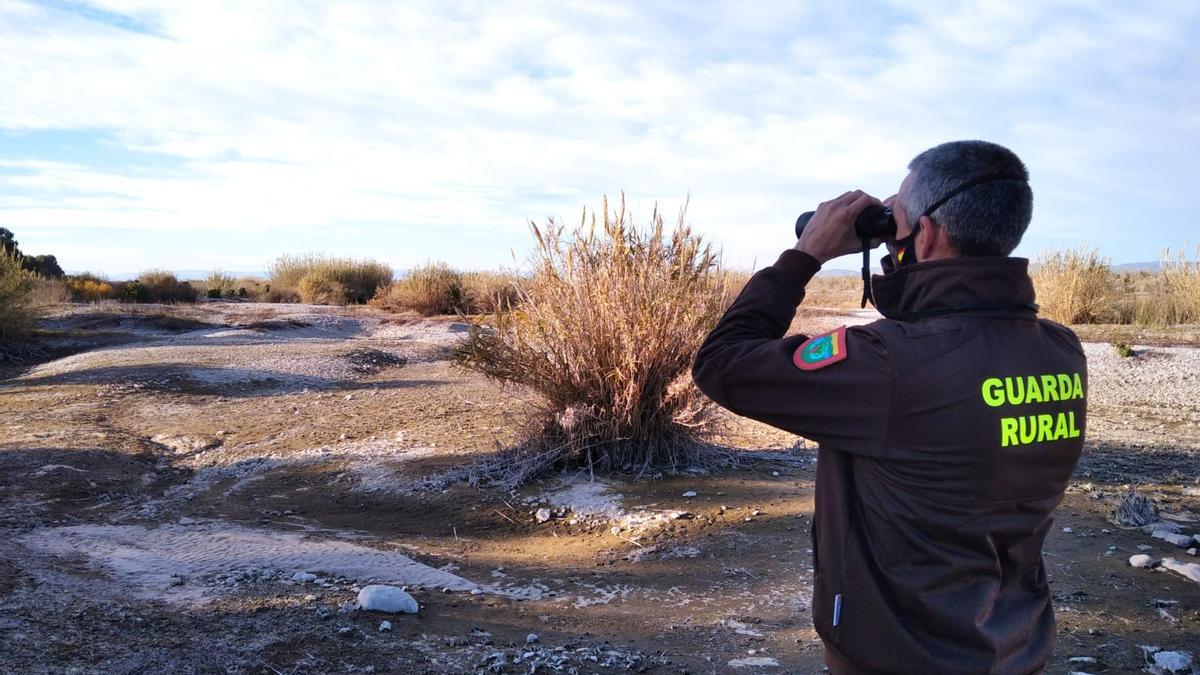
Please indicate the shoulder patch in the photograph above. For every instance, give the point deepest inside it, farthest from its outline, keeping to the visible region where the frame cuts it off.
(821, 350)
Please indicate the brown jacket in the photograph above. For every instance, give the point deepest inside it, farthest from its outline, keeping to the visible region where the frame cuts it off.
(948, 431)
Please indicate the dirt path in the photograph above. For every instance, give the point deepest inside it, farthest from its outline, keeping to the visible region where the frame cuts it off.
(172, 482)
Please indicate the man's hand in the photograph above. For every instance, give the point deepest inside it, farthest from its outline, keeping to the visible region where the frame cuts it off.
(830, 233)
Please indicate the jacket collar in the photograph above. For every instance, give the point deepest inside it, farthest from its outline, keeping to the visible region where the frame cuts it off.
(961, 284)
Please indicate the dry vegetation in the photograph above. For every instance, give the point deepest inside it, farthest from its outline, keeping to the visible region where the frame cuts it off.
(437, 288)
(606, 331)
(322, 279)
(17, 312)
(1079, 286)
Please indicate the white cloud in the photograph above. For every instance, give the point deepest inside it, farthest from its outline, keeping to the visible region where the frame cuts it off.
(476, 115)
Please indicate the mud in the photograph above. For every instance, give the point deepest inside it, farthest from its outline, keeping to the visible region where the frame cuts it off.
(167, 472)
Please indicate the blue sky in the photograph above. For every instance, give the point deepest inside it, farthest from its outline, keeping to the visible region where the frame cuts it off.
(200, 135)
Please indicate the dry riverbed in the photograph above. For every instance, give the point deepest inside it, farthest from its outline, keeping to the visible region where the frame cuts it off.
(206, 489)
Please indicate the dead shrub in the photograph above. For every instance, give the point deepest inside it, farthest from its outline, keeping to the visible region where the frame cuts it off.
(1073, 286)
(157, 286)
(429, 289)
(605, 332)
(321, 288)
(358, 279)
(18, 316)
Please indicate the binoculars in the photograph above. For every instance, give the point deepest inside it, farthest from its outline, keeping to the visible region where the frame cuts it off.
(875, 222)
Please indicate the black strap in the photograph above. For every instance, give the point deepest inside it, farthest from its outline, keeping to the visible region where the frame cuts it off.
(985, 178)
(866, 273)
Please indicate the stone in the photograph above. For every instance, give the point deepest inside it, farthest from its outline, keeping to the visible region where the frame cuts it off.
(1191, 491)
(304, 577)
(385, 626)
(1173, 662)
(689, 494)
(1141, 561)
(1196, 538)
(754, 662)
(542, 515)
(310, 597)
(1145, 547)
(1180, 540)
(1192, 551)
(616, 529)
(1068, 530)
(1184, 569)
(532, 638)
(390, 599)
(1164, 526)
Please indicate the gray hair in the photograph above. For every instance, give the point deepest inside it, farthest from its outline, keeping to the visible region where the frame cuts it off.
(987, 219)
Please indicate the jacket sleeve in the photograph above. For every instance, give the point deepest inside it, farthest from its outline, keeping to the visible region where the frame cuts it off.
(746, 366)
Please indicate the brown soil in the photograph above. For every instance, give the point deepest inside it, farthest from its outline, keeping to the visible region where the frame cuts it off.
(131, 439)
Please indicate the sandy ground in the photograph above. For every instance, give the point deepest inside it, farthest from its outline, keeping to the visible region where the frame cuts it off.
(205, 489)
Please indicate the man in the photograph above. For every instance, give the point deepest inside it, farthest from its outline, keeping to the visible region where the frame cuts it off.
(948, 429)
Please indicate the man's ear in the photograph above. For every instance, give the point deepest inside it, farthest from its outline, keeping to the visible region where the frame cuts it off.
(936, 244)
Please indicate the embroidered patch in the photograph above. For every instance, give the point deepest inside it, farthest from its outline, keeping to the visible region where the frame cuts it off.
(822, 350)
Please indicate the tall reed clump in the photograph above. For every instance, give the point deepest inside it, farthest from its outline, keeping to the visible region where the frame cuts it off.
(432, 288)
(158, 286)
(18, 316)
(1182, 279)
(326, 280)
(487, 292)
(606, 331)
(1073, 286)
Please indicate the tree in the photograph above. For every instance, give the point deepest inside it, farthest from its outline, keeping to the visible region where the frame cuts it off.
(44, 265)
(9, 243)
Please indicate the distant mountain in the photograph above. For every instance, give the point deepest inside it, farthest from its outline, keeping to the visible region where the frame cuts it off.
(1138, 267)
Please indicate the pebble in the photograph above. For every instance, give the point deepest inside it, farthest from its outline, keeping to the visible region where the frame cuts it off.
(616, 529)
(1068, 530)
(1082, 660)
(689, 494)
(381, 598)
(542, 515)
(754, 662)
(1192, 551)
(1180, 540)
(531, 638)
(385, 626)
(1191, 492)
(1141, 561)
(304, 576)
(345, 630)
(310, 597)
(1145, 547)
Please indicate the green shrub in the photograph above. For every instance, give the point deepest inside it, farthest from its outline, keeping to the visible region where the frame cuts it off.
(158, 286)
(605, 332)
(17, 314)
(1123, 349)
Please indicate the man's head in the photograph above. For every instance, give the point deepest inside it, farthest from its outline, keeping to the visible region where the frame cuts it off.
(988, 218)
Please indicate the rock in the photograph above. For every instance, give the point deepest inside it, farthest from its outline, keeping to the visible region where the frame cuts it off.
(754, 662)
(1180, 540)
(1141, 561)
(1068, 530)
(1196, 538)
(532, 638)
(1185, 569)
(1173, 662)
(304, 576)
(310, 597)
(381, 598)
(1144, 547)
(689, 494)
(385, 626)
(1082, 660)
(616, 529)
(1192, 551)
(774, 473)
(345, 631)
(1164, 526)
(542, 515)
(1191, 492)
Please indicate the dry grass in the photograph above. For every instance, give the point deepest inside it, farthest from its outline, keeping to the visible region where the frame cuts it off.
(326, 280)
(432, 288)
(50, 292)
(606, 331)
(1073, 286)
(18, 316)
(157, 286)
(488, 292)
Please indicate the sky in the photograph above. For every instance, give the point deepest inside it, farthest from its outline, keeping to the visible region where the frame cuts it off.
(205, 134)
